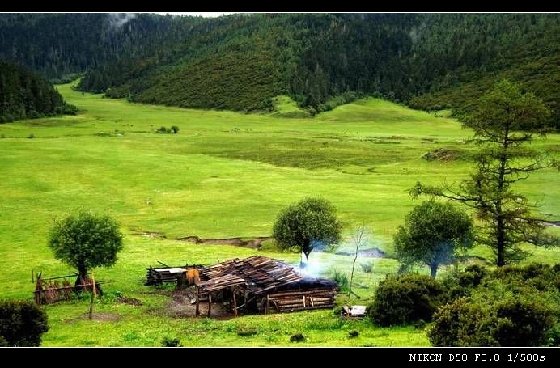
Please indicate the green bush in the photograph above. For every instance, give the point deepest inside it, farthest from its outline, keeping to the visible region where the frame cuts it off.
(405, 299)
(523, 323)
(366, 267)
(489, 320)
(552, 336)
(170, 342)
(21, 323)
(163, 130)
(462, 323)
(342, 280)
(460, 284)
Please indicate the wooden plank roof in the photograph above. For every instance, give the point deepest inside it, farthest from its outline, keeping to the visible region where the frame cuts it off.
(257, 273)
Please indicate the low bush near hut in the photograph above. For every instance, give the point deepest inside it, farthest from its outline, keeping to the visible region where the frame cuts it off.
(405, 299)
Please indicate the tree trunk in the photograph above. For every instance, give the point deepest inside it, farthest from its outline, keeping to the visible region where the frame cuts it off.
(306, 249)
(500, 228)
(82, 278)
(433, 269)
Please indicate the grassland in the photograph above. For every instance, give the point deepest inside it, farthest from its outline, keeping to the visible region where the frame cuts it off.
(224, 174)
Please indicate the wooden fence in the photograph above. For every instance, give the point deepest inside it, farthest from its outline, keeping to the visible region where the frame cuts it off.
(55, 289)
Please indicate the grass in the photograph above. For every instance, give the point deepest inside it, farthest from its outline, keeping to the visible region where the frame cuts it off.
(224, 174)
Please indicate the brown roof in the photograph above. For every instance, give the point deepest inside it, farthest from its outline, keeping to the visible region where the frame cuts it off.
(257, 273)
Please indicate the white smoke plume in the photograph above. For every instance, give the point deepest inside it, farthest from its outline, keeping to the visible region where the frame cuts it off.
(117, 20)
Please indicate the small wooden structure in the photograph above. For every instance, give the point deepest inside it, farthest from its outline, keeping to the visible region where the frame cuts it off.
(54, 289)
(180, 274)
(262, 284)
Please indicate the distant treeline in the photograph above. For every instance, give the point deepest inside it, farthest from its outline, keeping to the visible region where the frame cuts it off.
(240, 62)
(26, 95)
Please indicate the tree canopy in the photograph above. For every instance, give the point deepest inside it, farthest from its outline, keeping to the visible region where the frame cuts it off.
(85, 241)
(503, 122)
(433, 233)
(307, 223)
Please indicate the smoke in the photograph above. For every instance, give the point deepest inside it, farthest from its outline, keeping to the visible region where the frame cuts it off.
(117, 20)
(314, 266)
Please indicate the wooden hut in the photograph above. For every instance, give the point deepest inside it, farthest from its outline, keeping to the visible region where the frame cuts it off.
(262, 284)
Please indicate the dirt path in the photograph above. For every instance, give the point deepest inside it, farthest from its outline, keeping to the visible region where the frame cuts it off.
(239, 242)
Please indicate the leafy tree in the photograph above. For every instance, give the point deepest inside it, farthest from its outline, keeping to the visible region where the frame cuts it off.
(21, 323)
(310, 221)
(503, 123)
(432, 234)
(86, 241)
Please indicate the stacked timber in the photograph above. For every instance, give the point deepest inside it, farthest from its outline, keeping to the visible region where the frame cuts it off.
(260, 273)
(289, 301)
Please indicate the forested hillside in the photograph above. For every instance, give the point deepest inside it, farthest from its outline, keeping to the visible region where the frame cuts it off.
(25, 95)
(240, 62)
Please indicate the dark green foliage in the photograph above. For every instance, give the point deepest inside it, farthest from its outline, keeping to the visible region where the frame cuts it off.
(173, 130)
(511, 306)
(462, 323)
(553, 336)
(503, 121)
(405, 299)
(431, 61)
(86, 241)
(171, 342)
(297, 337)
(460, 284)
(21, 323)
(511, 322)
(472, 276)
(433, 233)
(341, 280)
(306, 224)
(25, 95)
(523, 323)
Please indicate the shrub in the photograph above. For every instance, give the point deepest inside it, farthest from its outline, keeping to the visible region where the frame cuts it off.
(297, 337)
(523, 323)
(462, 323)
(460, 284)
(472, 276)
(366, 267)
(21, 323)
(405, 299)
(174, 129)
(552, 336)
(171, 342)
(492, 321)
(341, 279)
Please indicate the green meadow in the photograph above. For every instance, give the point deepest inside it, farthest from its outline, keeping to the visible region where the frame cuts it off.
(223, 175)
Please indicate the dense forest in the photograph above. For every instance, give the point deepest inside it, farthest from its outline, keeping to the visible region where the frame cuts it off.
(240, 62)
(26, 95)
